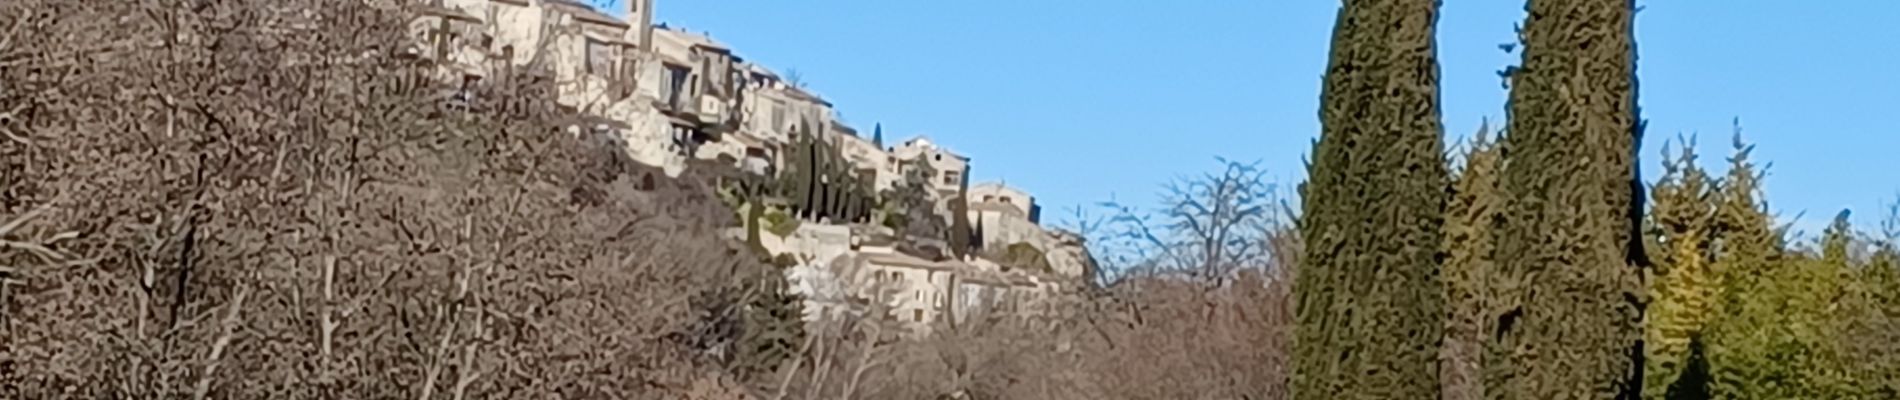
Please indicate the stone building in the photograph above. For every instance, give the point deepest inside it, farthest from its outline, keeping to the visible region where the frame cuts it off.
(948, 169)
(1008, 216)
(674, 98)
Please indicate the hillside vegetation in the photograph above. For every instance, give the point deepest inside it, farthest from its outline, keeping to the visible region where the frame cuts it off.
(267, 199)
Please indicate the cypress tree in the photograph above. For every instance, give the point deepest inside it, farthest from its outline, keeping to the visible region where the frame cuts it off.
(1683, 284)
(1470, 243)
(877, 135)
(800, 174)
(1370, 307)
(1568, 293)
(960, 218)
(976, 237)
(833, 182)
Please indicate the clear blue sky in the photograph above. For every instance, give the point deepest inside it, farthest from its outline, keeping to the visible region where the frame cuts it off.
(1077, 100)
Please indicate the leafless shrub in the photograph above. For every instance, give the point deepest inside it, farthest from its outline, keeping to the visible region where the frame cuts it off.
(1175, 324)
(1149, 338)
(1207, 227)
(275, 204)
(845, 349)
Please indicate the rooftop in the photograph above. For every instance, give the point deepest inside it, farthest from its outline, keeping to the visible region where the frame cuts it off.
(997, 207)
(448, 12)
(906, 260)
(924, 143)
(688, 37)
(587, 13)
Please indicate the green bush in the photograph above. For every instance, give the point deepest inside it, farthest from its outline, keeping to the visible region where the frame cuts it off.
(779, 223)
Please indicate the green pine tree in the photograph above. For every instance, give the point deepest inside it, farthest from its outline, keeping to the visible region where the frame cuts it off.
(1470, 243)
(1683, 284)
(1567, 290)
(1370, 306)
(1775, 335)
(1873, 338)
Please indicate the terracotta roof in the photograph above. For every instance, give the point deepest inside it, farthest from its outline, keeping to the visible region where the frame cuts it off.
(587, 13)
(982, 280)
(447, 12)
(609, 39)
(760, 69)
(1020, 280)
(797, 93)
(691, 39)
(998, 207)
(903, 260)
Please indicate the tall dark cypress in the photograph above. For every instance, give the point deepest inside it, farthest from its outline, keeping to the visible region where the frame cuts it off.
(1568, 290)
(959, 239)
(1370, 306)
(877, 135)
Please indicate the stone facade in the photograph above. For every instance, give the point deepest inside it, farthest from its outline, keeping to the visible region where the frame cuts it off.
(670, 96)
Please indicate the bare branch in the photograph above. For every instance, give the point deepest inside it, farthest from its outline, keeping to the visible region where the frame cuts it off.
(229, 327)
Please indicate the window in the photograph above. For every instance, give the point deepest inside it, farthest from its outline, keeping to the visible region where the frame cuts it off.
(988, 198)
(675, 84)
(446, 36)
(629, 69)
(467, 93)
(706, 66)
(719, 76)
(778, 114)
(917, 315)
(600, 58)
(951, 177)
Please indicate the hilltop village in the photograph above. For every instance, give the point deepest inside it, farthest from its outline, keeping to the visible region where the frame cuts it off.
(848, 218)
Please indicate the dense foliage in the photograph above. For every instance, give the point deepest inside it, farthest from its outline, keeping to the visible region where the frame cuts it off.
(1470, 244)
(1567, 289)
(1371, 306)
(1683, 284)
(264, 199)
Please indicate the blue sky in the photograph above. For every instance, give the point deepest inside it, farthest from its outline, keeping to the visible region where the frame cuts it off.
(1080, 100)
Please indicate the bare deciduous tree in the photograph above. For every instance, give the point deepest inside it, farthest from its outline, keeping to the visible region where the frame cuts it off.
(1206, 227)
(274, 201)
